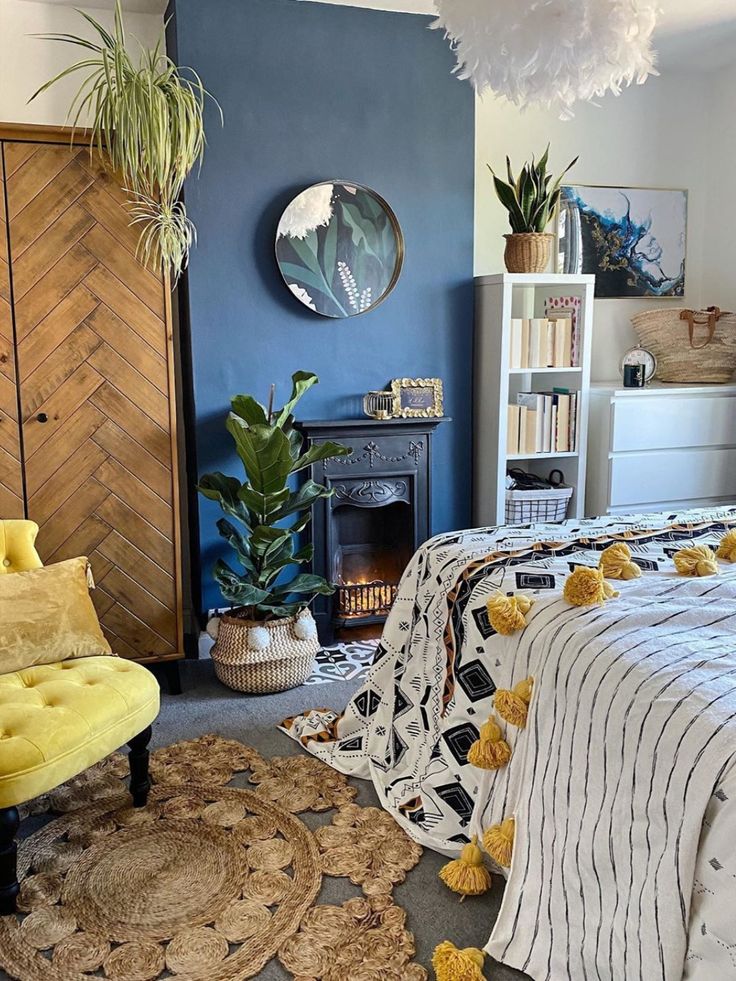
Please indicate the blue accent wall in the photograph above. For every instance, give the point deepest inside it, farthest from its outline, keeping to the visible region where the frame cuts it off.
(311, 92)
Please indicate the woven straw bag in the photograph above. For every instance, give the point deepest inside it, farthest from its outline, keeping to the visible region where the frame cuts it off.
(689, 345)
(243, 662)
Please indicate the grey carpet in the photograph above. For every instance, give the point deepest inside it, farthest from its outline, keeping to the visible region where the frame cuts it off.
(434, 914)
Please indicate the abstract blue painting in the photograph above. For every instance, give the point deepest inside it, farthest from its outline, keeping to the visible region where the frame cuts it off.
(633, 239)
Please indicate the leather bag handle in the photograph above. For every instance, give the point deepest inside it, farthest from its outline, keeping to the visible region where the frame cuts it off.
(714, 315)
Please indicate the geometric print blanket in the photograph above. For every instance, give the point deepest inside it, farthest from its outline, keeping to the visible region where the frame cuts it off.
(431, 686)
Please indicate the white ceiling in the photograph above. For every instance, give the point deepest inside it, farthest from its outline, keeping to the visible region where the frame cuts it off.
(691, 33)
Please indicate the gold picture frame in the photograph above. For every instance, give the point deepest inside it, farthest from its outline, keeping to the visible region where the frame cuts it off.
(417, 398)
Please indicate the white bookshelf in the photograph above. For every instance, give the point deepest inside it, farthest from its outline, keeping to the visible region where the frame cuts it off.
(498, 299)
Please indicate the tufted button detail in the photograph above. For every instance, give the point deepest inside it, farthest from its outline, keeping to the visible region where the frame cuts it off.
(76, 729)
(6, 563)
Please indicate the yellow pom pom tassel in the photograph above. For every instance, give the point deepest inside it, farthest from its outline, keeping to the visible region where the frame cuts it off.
(698, 560)
(506, 613)
(498, 841)
(451, 964)
(513, 706)
(467, 875)
(587, 587)
(727, 548)
(616, 562)
(491, 751)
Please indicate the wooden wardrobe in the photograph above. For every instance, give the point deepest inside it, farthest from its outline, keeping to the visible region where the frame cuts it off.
(87, 407)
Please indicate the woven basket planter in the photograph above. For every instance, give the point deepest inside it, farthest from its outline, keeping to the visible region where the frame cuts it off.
(696, 347)
(263, 658)
(528, 252)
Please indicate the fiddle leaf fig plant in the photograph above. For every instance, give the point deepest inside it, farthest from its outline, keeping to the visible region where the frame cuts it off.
(532, 196)
(264, 514)
(147, 127)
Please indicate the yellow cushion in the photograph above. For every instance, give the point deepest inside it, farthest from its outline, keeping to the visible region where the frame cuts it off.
(17, 551)
(58, 719)
(46, 615)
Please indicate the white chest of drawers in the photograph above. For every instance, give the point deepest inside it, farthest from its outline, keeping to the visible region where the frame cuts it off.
(659, 447)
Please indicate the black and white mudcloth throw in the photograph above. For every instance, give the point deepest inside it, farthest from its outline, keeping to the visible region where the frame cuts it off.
(623, 783)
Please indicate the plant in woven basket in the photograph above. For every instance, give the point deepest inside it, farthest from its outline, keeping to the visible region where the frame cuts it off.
(268, 512)
(530, 199)
(147, 127)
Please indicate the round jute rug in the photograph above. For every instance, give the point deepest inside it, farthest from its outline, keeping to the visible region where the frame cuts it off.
(145, 909)
(204, 882)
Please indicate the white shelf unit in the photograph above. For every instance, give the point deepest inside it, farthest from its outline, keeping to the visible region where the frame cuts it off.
(498, 299)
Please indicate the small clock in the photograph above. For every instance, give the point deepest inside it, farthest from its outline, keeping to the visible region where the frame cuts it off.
(639, 355)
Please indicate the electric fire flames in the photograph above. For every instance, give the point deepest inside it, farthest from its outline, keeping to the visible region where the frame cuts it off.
(364, 599)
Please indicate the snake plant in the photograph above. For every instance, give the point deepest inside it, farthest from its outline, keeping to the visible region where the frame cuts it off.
(268, 513)
(147, 126)
(530, 198)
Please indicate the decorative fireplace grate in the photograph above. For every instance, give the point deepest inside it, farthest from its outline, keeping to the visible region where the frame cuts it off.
(365, 599)
(367, 530)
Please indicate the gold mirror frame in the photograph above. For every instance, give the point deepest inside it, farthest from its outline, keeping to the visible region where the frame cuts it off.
(437, 409)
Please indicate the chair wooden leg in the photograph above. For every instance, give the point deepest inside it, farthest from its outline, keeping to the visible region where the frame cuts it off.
(9, 888)
(140, 782)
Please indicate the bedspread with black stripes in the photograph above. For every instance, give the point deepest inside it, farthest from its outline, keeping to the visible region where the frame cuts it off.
(621, 783)
(631, 731)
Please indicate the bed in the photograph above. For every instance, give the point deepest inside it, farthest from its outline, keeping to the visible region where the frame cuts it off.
(623, 781)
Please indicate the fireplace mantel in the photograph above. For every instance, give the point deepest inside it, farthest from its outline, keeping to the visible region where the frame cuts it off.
(383, 491)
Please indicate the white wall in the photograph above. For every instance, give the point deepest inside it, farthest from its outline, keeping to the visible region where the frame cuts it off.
(27, 62)
(719, 280)
(651, 135)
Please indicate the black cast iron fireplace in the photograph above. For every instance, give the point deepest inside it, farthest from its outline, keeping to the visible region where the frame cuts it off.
(378, 515)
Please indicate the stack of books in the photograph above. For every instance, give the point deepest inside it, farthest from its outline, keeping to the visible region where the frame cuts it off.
(543, 422)
(542, 342)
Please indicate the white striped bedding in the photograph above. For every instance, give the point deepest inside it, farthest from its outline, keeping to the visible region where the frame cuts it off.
(624, 865)
(631, 730)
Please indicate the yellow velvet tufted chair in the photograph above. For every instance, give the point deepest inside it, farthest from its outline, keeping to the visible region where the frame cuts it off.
(56, 720)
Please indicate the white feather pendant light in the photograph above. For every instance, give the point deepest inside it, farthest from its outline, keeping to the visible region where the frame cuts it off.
(550, 53)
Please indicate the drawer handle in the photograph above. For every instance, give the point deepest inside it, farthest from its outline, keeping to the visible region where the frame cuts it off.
(42, 417)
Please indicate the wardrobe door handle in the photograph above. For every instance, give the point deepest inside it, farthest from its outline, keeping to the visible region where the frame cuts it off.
(42, 417)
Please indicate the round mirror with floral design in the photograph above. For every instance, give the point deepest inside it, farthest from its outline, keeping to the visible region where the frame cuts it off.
(339, 248)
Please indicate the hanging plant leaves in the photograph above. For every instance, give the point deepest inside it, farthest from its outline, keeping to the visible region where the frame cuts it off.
(147, 127)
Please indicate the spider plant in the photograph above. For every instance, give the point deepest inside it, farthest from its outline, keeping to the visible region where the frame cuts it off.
(147, 126)
(530, 198)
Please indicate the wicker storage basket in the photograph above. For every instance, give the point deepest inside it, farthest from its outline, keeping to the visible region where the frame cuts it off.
(545, 504)
(243, 663)
(689, 345)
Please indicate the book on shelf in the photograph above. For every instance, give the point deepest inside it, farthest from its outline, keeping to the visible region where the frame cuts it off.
(513, 424)
(543, 422)
(570, 308)
(541, 342)
(547, 424)
(562, 432)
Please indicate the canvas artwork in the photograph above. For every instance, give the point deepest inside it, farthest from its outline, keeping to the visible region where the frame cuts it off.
(339, 249)
(633, 239)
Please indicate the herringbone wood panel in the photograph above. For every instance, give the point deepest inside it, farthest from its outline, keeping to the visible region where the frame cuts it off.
(11, 482)
(94, 390)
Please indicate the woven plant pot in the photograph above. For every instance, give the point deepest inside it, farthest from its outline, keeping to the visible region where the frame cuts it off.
(528, 252)
(265, 657)
(705, 352)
